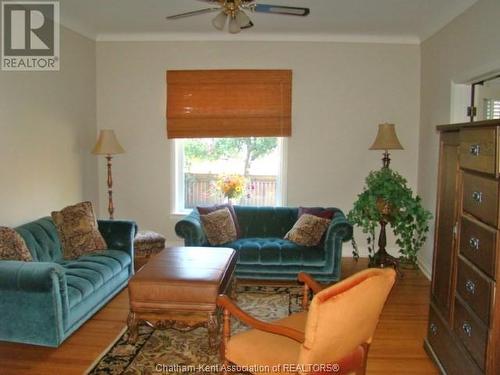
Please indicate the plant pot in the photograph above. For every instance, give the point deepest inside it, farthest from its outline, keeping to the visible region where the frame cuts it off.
(384, 207)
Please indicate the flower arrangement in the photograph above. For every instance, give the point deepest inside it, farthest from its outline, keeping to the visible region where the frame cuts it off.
(232, 186)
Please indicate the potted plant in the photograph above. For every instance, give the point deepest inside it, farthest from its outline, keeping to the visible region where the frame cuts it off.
(387, 199)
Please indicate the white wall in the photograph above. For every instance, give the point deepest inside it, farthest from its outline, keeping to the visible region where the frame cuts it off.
(465, 49)
(341, 92)
(48, 125)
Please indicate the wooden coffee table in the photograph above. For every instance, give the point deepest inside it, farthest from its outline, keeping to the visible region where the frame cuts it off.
(178, 288)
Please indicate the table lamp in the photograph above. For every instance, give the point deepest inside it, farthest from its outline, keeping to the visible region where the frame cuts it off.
(386, 140)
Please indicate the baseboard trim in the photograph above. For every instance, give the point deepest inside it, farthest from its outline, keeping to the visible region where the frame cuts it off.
(425, 270)
(430, 352)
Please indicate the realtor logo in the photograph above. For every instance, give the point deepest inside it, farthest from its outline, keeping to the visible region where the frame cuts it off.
(30, 35)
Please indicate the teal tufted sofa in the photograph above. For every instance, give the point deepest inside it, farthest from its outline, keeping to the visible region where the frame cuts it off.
(262, 251)
(44, 301)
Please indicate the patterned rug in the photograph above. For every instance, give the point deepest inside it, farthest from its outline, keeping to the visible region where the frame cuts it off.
(173, 352)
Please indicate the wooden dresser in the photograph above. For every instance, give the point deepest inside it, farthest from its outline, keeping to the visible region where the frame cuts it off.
(464, 320)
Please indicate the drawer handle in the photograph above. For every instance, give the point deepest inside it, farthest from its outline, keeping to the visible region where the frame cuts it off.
(470, 286)
(477, 196)
(474, 243)
(475, 150)
(467, 329)
(433, 328)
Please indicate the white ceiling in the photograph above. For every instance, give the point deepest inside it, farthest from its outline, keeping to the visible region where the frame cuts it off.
(390, 21)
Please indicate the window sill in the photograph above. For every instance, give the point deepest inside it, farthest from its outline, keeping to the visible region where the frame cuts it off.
(180, 213)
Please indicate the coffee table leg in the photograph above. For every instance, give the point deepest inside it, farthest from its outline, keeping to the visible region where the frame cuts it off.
(132, 324)
(234, 285)
(213, 328)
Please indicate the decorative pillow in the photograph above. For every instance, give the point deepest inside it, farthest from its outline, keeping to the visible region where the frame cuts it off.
(308, 230)
(317, 211)
(77, 229)
(12, 246)
(219, 227)
(229, 206)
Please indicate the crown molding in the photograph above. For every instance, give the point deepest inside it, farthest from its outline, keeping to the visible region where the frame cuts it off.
(255, 37)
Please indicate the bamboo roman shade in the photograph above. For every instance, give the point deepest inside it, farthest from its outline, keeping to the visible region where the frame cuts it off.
(229, 103)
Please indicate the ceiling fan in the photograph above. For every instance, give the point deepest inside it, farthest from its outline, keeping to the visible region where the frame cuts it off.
(234, 10)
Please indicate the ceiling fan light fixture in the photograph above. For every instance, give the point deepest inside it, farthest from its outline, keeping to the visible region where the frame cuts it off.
(220, 21)
(243, 20)
(234, 28)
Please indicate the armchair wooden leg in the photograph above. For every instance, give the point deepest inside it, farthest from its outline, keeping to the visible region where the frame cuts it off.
(362, 369)
(305, 297)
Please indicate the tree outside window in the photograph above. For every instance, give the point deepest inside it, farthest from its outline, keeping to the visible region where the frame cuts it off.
(247, 170)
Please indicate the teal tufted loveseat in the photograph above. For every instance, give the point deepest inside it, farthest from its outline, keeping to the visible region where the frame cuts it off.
(44, 301)
(262, 251)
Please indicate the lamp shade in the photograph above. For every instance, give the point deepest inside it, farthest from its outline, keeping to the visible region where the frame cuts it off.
(386, 138)
(107, 144)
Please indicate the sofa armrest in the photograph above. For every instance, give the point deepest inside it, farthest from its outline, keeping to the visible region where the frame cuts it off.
(339, 228)
(190, 229)
(31, 276)
(118, 234)
(33, 303)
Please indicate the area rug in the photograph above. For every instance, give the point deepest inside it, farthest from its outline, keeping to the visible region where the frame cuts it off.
(173, 352)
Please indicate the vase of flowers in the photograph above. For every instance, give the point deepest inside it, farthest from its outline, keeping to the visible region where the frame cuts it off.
(232, 187)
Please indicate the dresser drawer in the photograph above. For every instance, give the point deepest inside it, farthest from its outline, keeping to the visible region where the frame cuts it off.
(472, 332)
(478, 149)
(451, 357)
(480, 198)
(475, 289)
(478, 243)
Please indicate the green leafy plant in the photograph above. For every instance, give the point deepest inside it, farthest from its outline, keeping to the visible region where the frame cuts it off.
(404, 212)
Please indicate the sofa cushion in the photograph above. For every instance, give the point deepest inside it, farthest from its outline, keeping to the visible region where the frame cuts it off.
(88, 273)
(308, 230)
(12, 246)
(78, 231)
(42, 239)
(265, 221)
(276, 251)
(219, 227)
(325, 213)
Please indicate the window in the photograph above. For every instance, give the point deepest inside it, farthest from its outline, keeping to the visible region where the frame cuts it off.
(485, 99)
(491, 109)
(248, 170)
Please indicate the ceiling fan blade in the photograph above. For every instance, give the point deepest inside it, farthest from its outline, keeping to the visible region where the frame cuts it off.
(192, 13)
(279, 9)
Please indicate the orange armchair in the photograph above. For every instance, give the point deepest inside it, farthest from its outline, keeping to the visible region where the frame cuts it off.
(332, 337)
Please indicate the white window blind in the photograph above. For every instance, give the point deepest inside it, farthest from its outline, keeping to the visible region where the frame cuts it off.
(492, 109)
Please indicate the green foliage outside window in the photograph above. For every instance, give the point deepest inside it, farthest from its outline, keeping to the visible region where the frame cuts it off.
(222, 148)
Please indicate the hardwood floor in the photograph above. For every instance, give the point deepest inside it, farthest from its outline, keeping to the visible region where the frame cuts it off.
(397, 347)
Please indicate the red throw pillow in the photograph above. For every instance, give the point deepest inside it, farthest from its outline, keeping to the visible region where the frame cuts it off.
(210, 209)
(316, 211)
